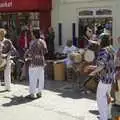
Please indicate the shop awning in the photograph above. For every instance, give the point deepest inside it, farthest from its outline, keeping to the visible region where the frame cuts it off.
(24, 5)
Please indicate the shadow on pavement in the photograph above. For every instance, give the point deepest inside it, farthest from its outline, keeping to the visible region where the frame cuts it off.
(17, 101)
(95, 112)
(3, 91)
(63, 89)
(66, 90)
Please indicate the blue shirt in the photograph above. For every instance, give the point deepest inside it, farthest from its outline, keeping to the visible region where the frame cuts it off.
(105, 58)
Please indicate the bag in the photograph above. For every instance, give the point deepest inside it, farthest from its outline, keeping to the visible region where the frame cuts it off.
(91, 84)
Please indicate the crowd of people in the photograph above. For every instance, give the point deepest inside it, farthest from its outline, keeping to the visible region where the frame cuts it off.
(32, 57)
(32, 49)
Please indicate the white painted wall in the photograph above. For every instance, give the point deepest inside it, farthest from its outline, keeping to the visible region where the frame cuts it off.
(66, 12)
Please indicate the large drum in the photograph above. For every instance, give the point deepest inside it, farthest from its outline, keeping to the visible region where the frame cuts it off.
(76, 57)
(88, 59)
(89, 56)
(59, 70)
(2, 64)
(91, 84)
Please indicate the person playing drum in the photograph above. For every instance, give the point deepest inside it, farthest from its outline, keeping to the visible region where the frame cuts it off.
(105, 70)
(6, 52)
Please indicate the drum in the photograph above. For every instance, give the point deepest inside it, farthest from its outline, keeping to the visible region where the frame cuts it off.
(2, 64)
(76, 57)
(81, 51)
(59, 70)
(89, 56)
(91, 84)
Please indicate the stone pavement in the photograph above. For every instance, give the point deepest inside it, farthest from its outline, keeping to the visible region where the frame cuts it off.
(57, 103)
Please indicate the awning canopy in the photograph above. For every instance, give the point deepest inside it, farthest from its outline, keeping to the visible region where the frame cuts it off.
(24, 5)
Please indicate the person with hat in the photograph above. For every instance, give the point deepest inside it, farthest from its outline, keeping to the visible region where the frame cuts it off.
(105, 70)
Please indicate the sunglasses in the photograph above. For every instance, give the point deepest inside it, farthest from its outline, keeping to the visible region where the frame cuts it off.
(90, 31)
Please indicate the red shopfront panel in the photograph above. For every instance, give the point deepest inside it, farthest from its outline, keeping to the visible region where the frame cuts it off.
(45, 20)
(42, 6)
(25, 5)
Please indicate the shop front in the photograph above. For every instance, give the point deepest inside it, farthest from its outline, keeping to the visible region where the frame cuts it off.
(16, 13)
(69, 16)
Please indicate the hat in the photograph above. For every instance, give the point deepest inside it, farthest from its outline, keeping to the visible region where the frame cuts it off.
(42, 36)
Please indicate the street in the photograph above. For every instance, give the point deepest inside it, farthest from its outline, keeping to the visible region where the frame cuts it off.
(58, 102)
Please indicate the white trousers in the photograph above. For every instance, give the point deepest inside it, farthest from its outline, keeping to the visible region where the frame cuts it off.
(7, 75)
(102, 100)
(36, 79)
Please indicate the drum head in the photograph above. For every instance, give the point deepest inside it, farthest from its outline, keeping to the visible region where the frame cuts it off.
(81, 51)
(76, 57)
(89, 56)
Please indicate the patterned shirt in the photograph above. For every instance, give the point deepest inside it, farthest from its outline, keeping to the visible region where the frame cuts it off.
(36, 53)
(105, 58)
(8, 48)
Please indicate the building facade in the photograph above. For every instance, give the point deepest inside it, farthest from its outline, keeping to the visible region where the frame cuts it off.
(68, 15)
(39, 10)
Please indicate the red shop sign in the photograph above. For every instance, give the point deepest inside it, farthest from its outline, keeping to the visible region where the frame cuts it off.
(25, 5)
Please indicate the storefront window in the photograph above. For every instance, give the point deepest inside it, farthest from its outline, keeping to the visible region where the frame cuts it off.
(85, 13)
(103, 12)
(15, 22)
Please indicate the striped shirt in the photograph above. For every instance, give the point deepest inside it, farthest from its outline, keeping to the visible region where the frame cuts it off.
(105, 58)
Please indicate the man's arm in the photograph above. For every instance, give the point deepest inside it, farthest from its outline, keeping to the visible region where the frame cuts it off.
(101, 62)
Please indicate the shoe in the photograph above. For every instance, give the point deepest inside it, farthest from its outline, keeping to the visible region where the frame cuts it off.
(7, 90)
(88, 92)
(31, 96)
(39, 95)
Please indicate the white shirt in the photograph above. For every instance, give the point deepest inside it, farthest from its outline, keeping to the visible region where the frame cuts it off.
(68, 50)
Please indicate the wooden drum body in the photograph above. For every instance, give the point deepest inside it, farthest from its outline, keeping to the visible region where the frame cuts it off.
(59, 70)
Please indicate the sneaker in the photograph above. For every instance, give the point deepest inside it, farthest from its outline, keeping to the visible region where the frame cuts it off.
(31, 96)
(39, 95)
(8, 90)
(88, 92)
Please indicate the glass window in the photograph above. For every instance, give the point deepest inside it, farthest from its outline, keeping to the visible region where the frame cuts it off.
(104, 12)
(86, 13)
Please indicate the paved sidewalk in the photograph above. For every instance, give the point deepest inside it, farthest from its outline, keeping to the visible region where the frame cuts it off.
(56, 103)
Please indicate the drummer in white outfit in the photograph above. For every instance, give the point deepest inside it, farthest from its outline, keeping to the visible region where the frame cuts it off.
(7, 49)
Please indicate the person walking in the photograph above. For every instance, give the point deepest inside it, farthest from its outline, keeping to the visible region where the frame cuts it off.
(35, 55)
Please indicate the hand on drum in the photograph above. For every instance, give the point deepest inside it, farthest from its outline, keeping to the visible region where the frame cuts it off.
(96, 70)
